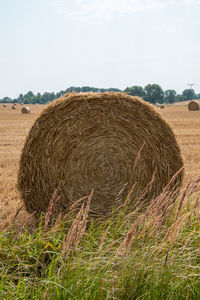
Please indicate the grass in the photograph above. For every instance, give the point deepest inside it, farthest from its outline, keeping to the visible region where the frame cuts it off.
(151, 254)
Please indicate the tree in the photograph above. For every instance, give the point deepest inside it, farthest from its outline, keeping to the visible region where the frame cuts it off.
(7, 99)
(38, 98)
(135, 91)
(170, 96)
(154, 93)
(59, 94)
(188, 94)
(28, 98)
(180, 98)
(85, 89)
(20, 98)
(48, 97)
(30, 94)
(113, 90)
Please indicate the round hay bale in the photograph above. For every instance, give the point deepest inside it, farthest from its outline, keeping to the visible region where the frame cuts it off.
(26, 110)
(194, 105)
(162, 106)
(4, 105)
(14, 106)
(91, 141)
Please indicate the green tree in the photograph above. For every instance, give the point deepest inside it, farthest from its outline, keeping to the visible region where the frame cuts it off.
(154, 93)
(188, 94)
(38, 98)
(29, 98)
(113, 90)
(135, 91)
(170, 96)
(61, 93)
(48, 97)
(180, 98)
(7, 99)
(30, 94)
(85, 89)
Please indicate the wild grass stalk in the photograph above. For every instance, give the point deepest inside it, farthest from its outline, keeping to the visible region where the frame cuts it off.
(50, 208)
(154, 254)
(77, 229)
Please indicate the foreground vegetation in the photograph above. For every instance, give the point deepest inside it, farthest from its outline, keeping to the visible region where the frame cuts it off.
(150, 253)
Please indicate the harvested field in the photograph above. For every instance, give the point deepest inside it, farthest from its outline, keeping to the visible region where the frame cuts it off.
(14, 127)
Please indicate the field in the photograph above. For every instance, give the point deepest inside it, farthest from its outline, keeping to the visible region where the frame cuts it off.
(149, 255)
(13, 130)
(14, 127)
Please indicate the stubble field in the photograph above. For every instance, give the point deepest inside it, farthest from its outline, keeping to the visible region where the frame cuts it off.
(14, 128)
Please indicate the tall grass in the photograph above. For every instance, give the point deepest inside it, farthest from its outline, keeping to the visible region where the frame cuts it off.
(150, 253)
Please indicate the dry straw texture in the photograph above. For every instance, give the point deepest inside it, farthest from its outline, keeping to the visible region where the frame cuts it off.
(109, 142)
(26, 110)
(194, 105)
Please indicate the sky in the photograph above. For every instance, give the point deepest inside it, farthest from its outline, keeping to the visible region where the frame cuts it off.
(50, 45)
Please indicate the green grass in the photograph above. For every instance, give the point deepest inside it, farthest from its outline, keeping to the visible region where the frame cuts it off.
(159, 259)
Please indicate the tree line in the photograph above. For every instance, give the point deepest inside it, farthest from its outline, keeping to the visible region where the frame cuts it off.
(152, 93)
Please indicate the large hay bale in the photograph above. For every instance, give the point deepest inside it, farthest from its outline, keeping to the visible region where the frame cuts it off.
(90, 141)
(194, 105)
(25, 110)
(14, 106)
(4, 105)
(162, 106)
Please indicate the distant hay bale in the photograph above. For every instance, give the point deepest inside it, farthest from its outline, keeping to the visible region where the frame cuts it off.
(194, 105)
(162, 106)
(4, 105)
(26, 110)
(88, 141)
(14, 106)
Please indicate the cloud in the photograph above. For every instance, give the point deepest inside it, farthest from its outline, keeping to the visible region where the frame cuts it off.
(105, 8)
(188, 2)
(167, 28)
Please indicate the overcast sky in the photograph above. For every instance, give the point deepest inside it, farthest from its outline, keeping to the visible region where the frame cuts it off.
(50, 45)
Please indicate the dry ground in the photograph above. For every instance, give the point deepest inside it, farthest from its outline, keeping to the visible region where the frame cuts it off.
(13, 130)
